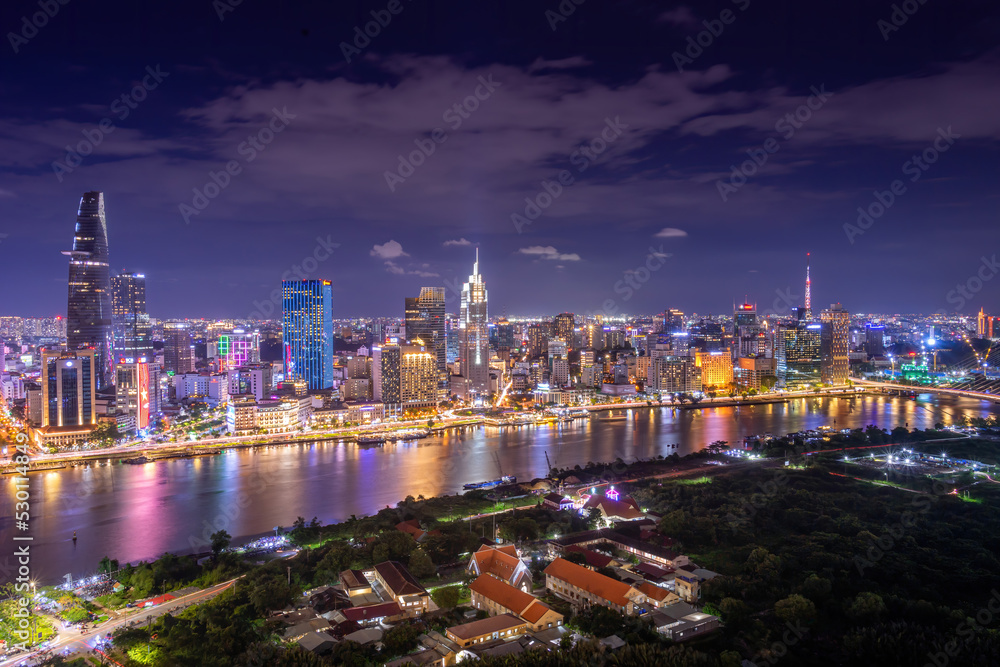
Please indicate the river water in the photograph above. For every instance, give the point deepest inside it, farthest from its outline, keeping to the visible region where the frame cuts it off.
(133, 512)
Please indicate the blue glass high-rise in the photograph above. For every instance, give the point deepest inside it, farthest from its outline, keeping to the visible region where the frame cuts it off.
(307, 331)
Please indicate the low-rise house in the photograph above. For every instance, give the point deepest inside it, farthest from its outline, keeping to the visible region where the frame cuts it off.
(644, 551)
(495, 628)
(681, 621)
(365, 636)
(594, 559)
(583, 587)
(623, 509)
(354, 582)
(496, 597)
(402, 587)
(369, 614)
(503, 563)
(557, 501)
(657, 597)
(319, 643)
(687, 585)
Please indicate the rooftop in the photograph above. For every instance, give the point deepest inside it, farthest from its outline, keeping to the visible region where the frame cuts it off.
(486, 626)
(603, 587)
(398, 579)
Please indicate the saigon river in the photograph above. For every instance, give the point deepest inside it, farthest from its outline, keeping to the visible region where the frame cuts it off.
(133, 512)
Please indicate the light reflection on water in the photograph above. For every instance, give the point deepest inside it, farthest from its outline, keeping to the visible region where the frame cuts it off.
(133, 512)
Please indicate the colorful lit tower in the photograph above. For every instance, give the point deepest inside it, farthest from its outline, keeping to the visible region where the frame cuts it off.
(809, 311)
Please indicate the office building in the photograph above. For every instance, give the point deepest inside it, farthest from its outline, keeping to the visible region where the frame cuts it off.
(178, 355)
(754, 373)
(748, 338)
(69, 405)
(504, 340)
(593, 336)
(673, 321)
(251, 379)
(835, 344)
(132, 331)
(307, 331)
(798, 358)
(538, 338)
(88, 309)
(474, 351)
(425, 320)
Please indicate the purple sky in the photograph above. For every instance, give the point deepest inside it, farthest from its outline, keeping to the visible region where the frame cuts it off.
(545, 96)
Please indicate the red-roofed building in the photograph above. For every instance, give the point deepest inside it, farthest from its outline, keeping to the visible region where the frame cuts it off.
(625, 509)
(594, 560)
(402, 587)
(372, 613)
(497, 597)
(657, 597)
(583, 587)
(503, 563)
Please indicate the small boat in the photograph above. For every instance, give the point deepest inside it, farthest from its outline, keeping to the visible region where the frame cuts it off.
(138, 460)
(74, 536)
(371, 440)
(612, 417)
(506, 479)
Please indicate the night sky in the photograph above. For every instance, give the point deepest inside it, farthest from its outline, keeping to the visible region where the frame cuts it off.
(653, 193)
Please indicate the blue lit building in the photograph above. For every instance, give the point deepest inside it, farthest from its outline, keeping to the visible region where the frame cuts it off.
(307, 331)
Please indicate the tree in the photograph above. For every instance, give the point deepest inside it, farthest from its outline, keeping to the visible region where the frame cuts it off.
(220, 542)
(867, 607)
(107, 565)
(420, 564)
(446, 597)
(795, 608)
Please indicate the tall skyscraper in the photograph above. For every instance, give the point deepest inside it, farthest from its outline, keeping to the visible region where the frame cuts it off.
(131, 326)
(418, 375)
(177, 353)
(88, 311)
(673, 321)
(137, 392)
(425, 320)
(747, 336)
(307, 331)
(808, 311)
(835, 344)
(473, 333)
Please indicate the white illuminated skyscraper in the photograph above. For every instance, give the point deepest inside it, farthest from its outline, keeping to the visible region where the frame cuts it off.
(474, 351)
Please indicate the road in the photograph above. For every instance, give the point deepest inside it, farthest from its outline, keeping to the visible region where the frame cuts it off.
(84, 642)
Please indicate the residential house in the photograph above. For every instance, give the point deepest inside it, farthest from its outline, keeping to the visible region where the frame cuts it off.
(497, 597)
(657, 597)
(583, 587)
(402, 587)
(504, 563)
(624, 509)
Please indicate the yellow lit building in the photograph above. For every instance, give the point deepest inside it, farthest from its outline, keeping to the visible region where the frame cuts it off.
(716, 368)
(418, 375)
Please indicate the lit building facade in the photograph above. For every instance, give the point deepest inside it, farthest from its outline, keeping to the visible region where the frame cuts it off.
(418, 376)
(386, 367)
(473, 334)
(137, 391)
(239, 349)
(425, 320)
(798, 359)
(69, 382)
(307, 331)
(835, 344)
(131, 326)
(670, 374)
(716, 368)
(88, 309)
(178, 356)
